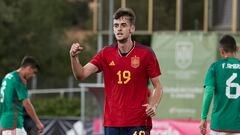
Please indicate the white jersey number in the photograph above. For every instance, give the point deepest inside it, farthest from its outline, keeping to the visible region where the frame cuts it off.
(230, 85)
(4, 84)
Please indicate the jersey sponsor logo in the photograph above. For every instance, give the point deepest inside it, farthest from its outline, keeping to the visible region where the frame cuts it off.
(135, 61)
(112, 63)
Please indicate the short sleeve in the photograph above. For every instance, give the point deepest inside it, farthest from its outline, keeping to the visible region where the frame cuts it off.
(209, 78)
(97, 60)
(153, 68)
(21, 90)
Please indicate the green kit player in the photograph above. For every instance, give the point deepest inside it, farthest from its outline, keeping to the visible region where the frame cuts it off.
(222, 83)
(14, 98)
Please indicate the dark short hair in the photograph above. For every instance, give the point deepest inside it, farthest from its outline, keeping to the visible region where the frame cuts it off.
(125, 12)
(30, 61)
(228, 44)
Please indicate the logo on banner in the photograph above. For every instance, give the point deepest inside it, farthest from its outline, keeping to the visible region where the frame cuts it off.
(135, 61)
(183, 54)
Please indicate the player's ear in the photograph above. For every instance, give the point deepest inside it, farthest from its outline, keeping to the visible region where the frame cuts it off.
(132, 28)
(222, 53)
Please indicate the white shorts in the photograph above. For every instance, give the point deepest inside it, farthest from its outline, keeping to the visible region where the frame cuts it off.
(17, 131)
(212, 132)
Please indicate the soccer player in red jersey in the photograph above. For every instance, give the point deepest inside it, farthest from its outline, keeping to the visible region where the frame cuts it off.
(127, 66)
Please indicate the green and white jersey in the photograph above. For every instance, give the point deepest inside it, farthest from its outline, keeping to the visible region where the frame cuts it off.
(224, 76)
(13, 91)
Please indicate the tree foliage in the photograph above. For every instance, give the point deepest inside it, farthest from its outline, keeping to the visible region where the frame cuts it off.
(57, 107)
(63, 106)
(36, 27)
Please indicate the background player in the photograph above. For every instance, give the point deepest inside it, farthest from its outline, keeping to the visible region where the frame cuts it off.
(222, 82)
(127, 67)
(14, 97)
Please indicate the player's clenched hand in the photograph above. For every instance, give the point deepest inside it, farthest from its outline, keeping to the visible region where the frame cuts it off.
(40, 127)
(150, 109)
(203, 127)
(75, 49)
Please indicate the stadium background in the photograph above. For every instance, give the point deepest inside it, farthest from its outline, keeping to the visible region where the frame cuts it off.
(183, 34)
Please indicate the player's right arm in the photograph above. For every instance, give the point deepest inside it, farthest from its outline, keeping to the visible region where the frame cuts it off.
(31, 112)
(80, 72)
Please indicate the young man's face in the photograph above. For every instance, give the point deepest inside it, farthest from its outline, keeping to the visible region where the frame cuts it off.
(31, 72)
(122, 28)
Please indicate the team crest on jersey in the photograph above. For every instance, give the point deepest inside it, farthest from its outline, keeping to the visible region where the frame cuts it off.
(135, 61)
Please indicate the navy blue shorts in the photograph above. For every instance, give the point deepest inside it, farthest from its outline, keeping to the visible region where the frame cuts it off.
(142, 130)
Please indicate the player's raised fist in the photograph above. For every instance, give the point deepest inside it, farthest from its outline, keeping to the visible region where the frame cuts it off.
(76, 48)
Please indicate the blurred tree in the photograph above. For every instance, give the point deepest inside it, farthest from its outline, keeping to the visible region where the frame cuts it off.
(33, 27)
(164, 14)
(192, 15)
(57, 106)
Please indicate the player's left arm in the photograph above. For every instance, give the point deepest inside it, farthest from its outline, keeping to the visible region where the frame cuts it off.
(207, 99)
(155, 97)
(31, 112)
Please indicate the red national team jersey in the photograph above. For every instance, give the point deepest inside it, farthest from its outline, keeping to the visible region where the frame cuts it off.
(126, 84)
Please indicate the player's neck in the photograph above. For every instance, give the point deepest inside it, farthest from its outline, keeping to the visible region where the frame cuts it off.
(125, 47)
(22, 73)
(229, 55)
